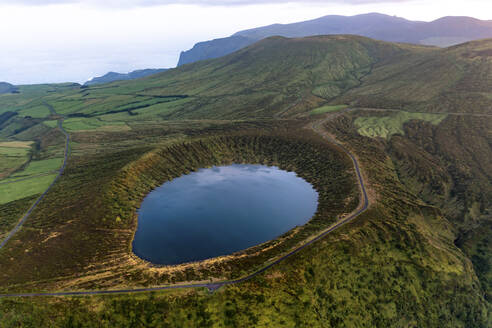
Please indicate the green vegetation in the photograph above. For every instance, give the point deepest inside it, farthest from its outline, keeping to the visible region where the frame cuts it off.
(448, 80)
(280, 77)
(36, 111)
(112, 185)
(341, 281)
(420, 257)
(394, 266)
(41, 166)
(31, 95)
(386, 126)
(51, 123)
(12, 212)
(275, 77)
(21, 189)
(327, 109)
(448, 166)
(13, 155)
(83, 124)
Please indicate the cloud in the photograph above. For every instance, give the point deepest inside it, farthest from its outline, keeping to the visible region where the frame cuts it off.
(142, 3)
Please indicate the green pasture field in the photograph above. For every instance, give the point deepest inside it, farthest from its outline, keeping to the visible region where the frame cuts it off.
(36, 111)
(42, 166)
(13, 155)
(21, 189)
(386, 126)
(327, 109)
(85, 124)
(51, 123)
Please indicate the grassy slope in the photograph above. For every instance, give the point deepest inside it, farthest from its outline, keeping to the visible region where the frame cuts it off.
(18, 190)
(268, 77)
(13, 155)
(40, 166)
(344, 281)
(29, 96)
(327, 109)
(12, 212)
(448, 166)
(455, 79)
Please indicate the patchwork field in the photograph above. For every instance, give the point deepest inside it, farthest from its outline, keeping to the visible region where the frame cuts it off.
(327, 109)
(87, 124)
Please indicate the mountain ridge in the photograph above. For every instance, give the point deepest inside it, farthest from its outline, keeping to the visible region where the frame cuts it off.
(443, 32)
(114, 76)
(7, 88)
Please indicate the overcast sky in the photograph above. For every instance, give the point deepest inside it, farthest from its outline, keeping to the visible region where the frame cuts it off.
(74, 40)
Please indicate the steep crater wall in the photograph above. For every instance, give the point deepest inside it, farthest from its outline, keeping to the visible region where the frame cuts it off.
(81, 236)
(324, 166)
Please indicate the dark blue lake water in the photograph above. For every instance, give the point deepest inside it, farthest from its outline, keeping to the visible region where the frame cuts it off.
(219, 211)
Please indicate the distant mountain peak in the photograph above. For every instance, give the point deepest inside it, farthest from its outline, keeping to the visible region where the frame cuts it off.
(458, 18)
(7, 88)
(114, 76)
(442, 32)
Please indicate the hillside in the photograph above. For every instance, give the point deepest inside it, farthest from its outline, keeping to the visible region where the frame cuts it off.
(442, 32)
(455, 79)
(280, 77)
(276, 76)
(113, 76)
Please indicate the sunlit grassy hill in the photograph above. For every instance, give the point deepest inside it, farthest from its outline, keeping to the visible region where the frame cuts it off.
(276, 76)
(456, 79)
(287, 77)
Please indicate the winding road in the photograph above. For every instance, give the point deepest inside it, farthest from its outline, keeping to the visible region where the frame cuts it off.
(363, 206)
(40, 198)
